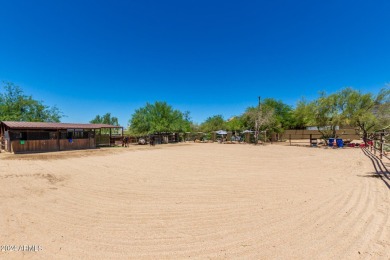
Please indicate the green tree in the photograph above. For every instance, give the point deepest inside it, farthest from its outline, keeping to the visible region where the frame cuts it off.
(108, 120)
(157, 118)
(235, 124)
(367, 112)
(382, 112)
(213, 123)
(283, 114)
(328, 114)
(105, 119)
(303, 115)
(347, 107)
(16, 106)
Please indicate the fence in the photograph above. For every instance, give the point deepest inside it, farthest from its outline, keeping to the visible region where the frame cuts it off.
(347, 133)
(315, 139)
(378, 145)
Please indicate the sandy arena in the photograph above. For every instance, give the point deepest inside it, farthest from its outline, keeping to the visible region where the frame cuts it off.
(196, 200)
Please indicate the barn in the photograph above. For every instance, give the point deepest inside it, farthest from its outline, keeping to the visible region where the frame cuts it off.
(25, 137)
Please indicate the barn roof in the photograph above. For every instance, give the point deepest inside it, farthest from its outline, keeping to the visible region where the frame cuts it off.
(45, 125)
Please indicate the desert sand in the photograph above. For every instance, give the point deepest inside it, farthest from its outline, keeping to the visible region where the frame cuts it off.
(196, 201)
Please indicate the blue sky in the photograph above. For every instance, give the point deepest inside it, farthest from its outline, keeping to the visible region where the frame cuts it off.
(207, 57)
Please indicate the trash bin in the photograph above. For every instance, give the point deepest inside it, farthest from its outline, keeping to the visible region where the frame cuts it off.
(339, 142)
(330, 142)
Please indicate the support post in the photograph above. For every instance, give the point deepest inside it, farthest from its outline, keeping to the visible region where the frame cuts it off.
(290, 138)
(310, 139)
(110, 138)
(58, 140)
(381, 147)
(371, 144)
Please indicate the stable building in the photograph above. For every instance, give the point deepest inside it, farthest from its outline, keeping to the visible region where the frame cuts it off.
(25, 137)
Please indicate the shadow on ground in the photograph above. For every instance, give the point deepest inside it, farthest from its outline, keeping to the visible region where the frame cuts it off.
(381, 170)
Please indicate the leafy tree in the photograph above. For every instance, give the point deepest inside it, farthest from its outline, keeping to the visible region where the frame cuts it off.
(235, 124)
(303, 115)
(16, 106)
(365, 111)
(328, 114)
(347, 107)
(157, 118)
(382, 112)
(194, 127)
(283, 114)
(105, 119)
(213, 123)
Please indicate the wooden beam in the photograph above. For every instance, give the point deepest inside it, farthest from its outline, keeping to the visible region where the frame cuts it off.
(58, 140)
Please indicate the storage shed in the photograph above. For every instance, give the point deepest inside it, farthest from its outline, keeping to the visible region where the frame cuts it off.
(22, 137)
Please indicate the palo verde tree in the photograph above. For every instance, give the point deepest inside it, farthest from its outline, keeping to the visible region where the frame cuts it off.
(328, 113)
(366, 112)
(158, 118)
(16, 106)
(303, 115)
(348, 107)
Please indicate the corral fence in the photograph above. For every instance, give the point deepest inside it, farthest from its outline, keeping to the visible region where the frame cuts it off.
(316, 139)
(158, 138)
(303, 137)
(302, 134)
(378, 144)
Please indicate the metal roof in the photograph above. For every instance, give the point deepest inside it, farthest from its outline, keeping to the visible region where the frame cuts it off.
(45, 125)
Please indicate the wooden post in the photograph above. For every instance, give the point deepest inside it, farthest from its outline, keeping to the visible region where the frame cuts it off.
(110, 138)
(310, 139)
(381, 147)
(290, 138)
(371, 144)
(58, 140)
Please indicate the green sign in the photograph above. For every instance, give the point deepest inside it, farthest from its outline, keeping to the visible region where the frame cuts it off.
(21, 141)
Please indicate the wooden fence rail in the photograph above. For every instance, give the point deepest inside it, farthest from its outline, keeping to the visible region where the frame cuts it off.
(379, 145)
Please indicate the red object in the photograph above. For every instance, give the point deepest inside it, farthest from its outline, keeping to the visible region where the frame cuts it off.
(362, 145)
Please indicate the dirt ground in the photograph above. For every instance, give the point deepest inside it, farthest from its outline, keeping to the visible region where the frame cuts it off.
(195, 201)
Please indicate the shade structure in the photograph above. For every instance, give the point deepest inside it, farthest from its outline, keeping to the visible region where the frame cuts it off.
(24, 137)
(221, 132)
(247, 131)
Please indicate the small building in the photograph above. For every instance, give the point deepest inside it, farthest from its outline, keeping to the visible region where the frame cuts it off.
(24, 137)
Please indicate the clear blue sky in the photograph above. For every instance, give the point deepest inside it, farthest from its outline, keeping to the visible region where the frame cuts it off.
(208, 57)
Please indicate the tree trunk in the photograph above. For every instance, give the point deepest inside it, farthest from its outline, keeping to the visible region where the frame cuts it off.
(365, 137)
